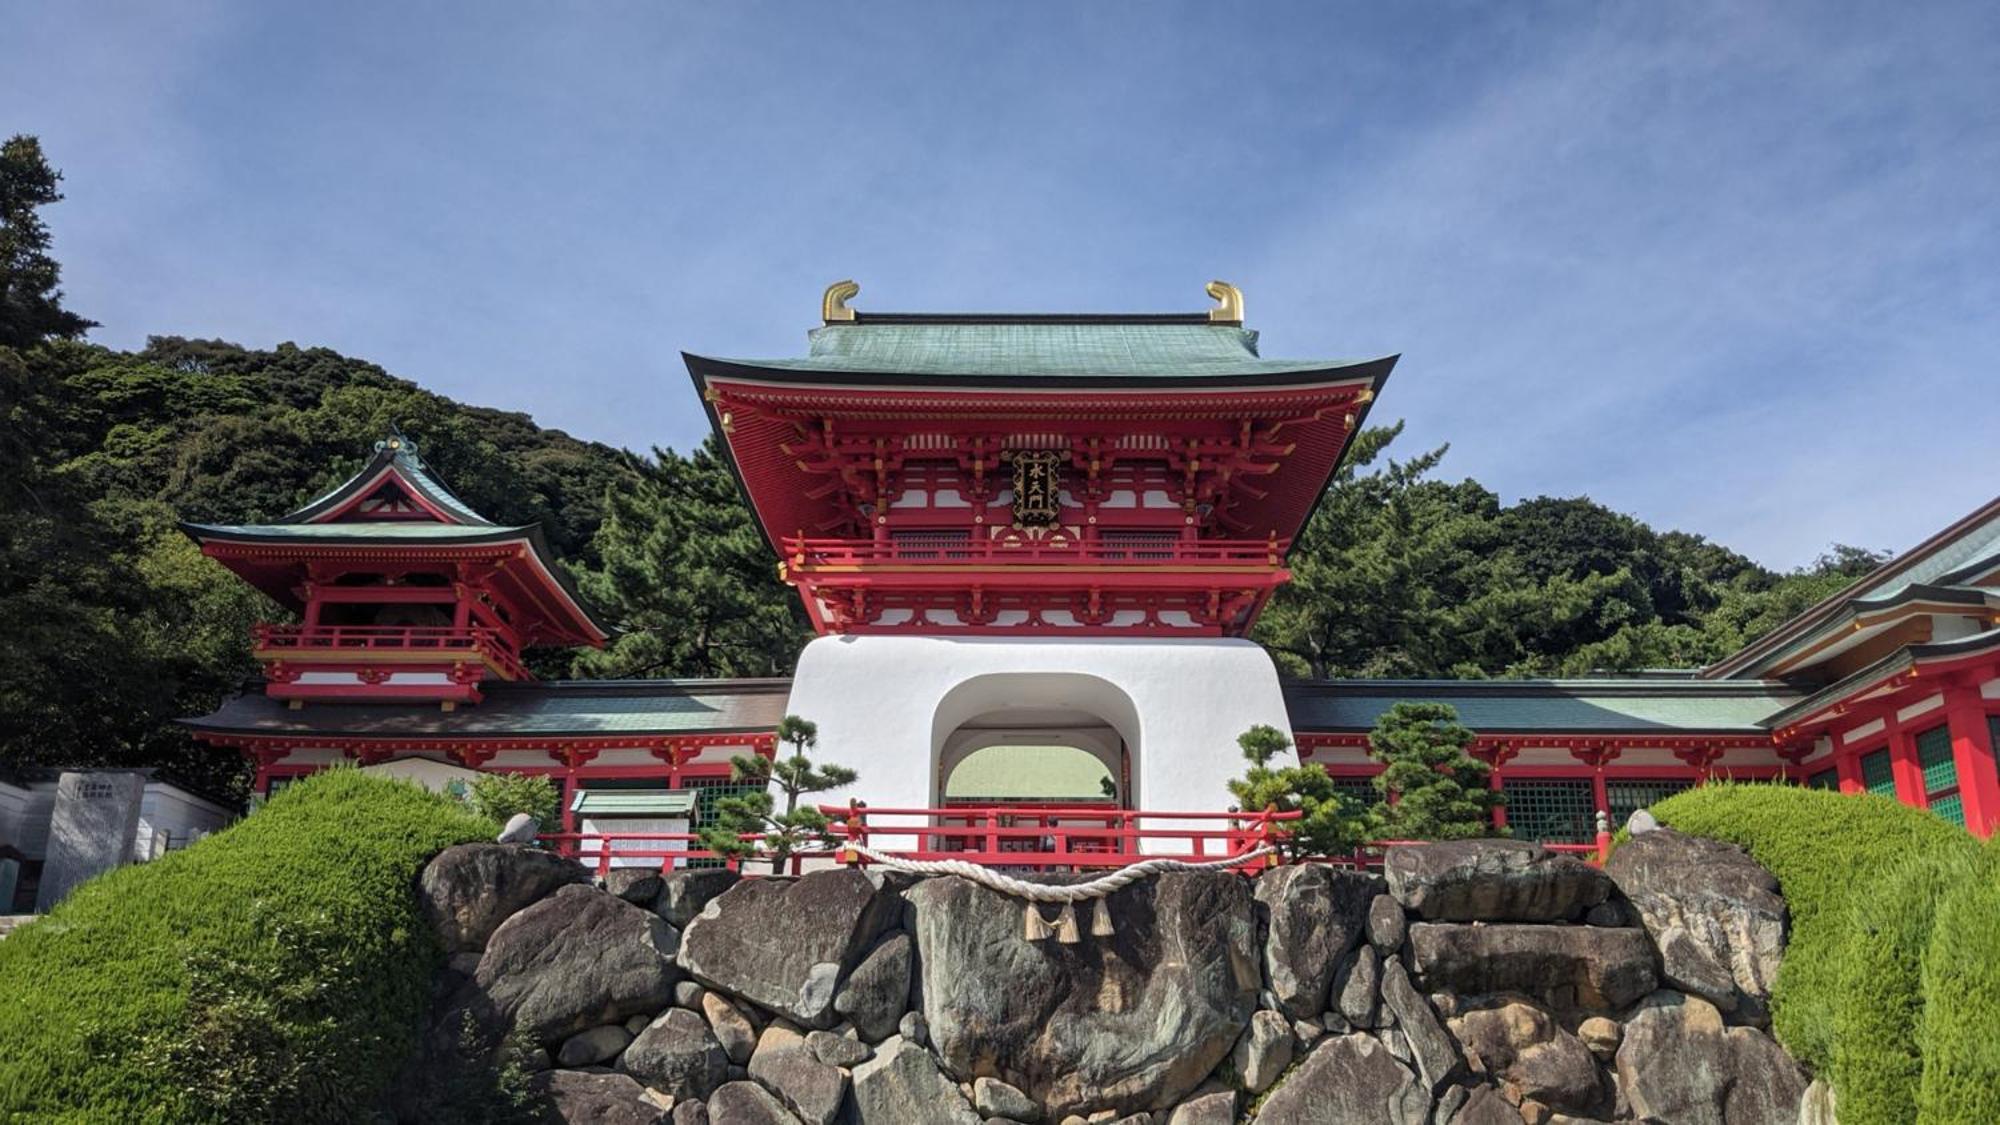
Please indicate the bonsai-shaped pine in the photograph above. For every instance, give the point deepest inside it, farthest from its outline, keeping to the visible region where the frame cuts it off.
(754, 813)
(1326, 823)
(1432, 788)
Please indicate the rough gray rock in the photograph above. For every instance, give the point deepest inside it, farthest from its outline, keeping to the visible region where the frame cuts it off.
(1484, 1106)
(877, 992)
(745, 1103)
(576, 1097)
(688, 994)
(1347, 1080)
(572, 961)
(1714, 913)
(1131, 1021)
(639, 886)
(685, 892)
(914, 1028)
(1522, 1048)
(1357, 995)
(519, 829)
(1492, 881)
(1262, 1052)
(788, 1068)
(995, 1098)
(676, 1054)
(467, 890)
(1431, 1047)
(730, 1027)
(1562, 966)
(1642, 822)
(1218, 1108)
(783, 944)
(1600, 1035)
(902, 1084)
(1679, 1062)
(838, 1050)
(588, 1048)
(692, 1113)
(1315, 915)
(1386, 925)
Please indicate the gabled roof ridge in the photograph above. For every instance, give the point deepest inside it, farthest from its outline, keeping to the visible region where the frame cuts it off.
(394, 455)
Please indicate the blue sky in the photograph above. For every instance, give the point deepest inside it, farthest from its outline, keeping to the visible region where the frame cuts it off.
(1733, 268)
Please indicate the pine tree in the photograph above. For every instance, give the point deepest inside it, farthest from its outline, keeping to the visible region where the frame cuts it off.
(755, 813)
(1433, 788)
(30, 301)
(1326, 822)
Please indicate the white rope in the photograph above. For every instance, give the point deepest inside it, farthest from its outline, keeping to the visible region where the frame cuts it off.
(1045, 892)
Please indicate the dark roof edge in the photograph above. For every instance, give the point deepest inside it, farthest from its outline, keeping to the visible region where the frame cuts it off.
(702, 367)
(865, 318)
(1704, 689)
(1889, 665)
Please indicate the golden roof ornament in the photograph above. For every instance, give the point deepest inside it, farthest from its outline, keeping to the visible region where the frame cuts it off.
(1228, 303)
(833, 306)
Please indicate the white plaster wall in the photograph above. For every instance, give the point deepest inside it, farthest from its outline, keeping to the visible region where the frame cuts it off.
(431, 773)
(171, 817)
(886, 705)
(13, 807)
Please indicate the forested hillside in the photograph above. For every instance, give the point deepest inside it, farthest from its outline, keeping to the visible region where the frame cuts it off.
(114, 624)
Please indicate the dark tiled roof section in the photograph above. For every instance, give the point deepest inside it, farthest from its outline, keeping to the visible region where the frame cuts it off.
(1600, 706)
(576, 708)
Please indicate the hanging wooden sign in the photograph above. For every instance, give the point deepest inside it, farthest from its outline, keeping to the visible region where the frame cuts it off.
(1037, 488)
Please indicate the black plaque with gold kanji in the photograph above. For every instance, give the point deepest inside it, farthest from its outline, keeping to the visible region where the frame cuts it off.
(1037, 488)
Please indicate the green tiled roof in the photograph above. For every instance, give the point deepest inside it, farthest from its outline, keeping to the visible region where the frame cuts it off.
(584, 707)
(376, 530)
(633, 802)
(1607, 706)
(1027, 346)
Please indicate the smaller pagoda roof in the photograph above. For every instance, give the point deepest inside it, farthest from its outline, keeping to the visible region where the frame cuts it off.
(1639, 705)
(395, 455)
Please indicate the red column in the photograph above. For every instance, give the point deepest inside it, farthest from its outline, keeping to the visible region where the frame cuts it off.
(1848, 769)
(1909, 772)
(1599, 793)
(568, 798)
(1972, 756)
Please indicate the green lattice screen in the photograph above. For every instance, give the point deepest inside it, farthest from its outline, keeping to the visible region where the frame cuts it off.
(1554, 812)
(1824, 779)
(1359, 793)
(1628, 797)
(1940, 774)
(1877, 775)
(709, 790)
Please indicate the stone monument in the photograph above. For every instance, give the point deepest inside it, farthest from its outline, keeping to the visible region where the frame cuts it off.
(95, 823)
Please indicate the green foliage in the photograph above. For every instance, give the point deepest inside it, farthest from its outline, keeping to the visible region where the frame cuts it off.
(1440, 791)
(795, 775)
(498, 796)
(1328, 822)
(30, 301)
(275, 971)
(1832, 853)
(1961, 983)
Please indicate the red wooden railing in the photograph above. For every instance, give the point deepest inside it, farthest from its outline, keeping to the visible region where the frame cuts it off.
(807, 552)
(445, 640)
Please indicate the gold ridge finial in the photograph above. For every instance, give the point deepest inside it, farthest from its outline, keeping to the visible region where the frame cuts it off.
(833, 306)
(1228, 303)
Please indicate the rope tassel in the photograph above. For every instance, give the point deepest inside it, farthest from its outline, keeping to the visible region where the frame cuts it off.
(1033, 927)
(1100, 918)
(1066, 925)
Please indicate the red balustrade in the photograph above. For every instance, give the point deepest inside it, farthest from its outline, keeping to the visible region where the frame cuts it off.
(447, 641)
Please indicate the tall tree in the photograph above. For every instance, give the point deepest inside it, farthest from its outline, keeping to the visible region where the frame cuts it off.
(31, 309)
(1432, 788)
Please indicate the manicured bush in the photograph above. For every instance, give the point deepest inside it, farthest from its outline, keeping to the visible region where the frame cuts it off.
(1961, 982)
(275, 971)
(1857, 873)
(499, 796)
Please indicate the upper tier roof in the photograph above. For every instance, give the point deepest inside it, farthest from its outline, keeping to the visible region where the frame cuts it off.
(1011, 348)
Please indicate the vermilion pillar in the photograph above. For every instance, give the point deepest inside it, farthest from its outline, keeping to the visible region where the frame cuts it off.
(1903, 764)
(1972, 757)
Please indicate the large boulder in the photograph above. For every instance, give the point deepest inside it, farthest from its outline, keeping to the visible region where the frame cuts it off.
(685, 892)
(1714, 912)
(576, 1097)
(1263, 1052)
(1357, 990)
(1565, 967)
(1432, 1049)
(1314, 916)
(744, 1103)
(1492, 881)
(467, 890)
(1133, 1021)
(677, 1054)
(1347, 1080)
(1523, 1049)
(785, 944)
(1679, 1062)
(877, 992)
(1484, 1106)
(575, 960)
(902, 1084)
(788, 1068)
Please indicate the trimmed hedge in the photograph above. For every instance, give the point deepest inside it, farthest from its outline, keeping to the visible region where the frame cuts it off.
(277, 970)
(1861, 875)
(1961, 982)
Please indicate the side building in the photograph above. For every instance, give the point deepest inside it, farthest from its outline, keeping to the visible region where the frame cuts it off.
(1033, 548)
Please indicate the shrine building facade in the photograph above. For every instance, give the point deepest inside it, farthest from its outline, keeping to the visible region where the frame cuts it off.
(1033, 548)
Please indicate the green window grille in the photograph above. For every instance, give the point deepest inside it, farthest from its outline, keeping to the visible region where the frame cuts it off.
(1552, 812)
(1877, 775)
(707, 791)
(1357, 793)
(1824, 779)
(1940, 774)
(1628, 797)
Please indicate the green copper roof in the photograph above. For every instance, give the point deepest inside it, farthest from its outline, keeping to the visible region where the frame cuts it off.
(1605, 706)
(371, 531)
(631, 802)
(1039, 347)
(581, 707)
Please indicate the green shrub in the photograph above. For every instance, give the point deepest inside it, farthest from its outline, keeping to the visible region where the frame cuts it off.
(1837, 855)
(1961, 981)
(498, 796)
(275, 971)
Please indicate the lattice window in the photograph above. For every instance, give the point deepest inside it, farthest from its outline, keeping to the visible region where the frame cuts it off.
(932, 543)
(1357, 793)
(1553, 812)
(1628, 797)
(709, 790)
(1115, 543)
(1940, 774)
(1824, 779)
(1877, 775)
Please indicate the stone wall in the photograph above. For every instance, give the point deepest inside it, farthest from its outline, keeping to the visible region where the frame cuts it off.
(1473, 982)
